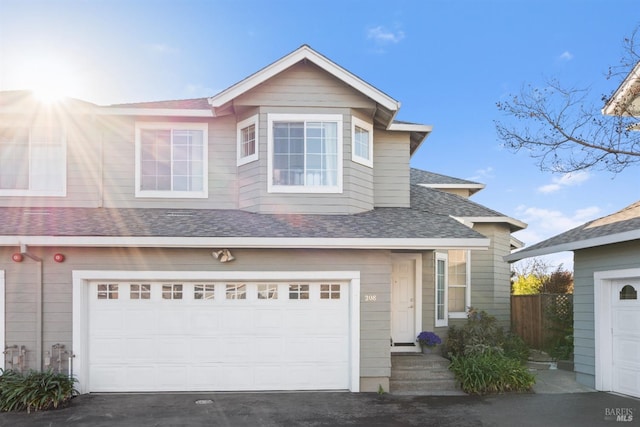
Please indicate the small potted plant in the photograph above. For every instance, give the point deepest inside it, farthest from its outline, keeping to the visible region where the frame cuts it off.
(428, 340)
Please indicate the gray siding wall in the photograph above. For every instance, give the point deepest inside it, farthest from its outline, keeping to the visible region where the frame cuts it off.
(83, 162)
(586, 263)
(101, 155)
(21, 280)
(391, 169)
(490, 275)
(119, 166)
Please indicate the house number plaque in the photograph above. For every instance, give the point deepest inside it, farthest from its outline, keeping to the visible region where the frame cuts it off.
(370, 298)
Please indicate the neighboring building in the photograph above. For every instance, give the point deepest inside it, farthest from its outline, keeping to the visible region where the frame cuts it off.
(271, 237)
(606, 281)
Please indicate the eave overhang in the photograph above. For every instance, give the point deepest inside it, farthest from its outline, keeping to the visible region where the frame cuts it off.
(246, 242)
(575, 245)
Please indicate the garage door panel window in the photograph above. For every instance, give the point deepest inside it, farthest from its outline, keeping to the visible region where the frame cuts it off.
(267, 291)
(236, 292)
(204, 292)
(299, 292)
(172, 291)
(107, 291)
(331, 291)
(140, 291)
(628, 292)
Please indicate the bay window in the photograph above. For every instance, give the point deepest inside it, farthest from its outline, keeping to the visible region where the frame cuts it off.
(305, 153)
(362, 142)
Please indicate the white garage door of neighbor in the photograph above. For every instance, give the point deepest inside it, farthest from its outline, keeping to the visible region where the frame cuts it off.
(626, 337)
(184, 336)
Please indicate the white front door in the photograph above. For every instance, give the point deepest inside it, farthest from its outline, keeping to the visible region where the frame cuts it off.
(625, 311)
(403, 303)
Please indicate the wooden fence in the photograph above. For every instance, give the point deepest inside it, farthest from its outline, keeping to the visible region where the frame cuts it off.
(530, 317)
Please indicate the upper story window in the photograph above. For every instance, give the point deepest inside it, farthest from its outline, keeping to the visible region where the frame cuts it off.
(33, 161)
(248, 140)
(305, 153)
(362, 142)
(171, 160)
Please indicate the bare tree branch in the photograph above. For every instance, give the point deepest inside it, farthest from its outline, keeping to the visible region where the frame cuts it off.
(564, 131)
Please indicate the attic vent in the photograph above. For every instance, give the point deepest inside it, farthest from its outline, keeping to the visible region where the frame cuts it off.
(37, 212)
(179, 214)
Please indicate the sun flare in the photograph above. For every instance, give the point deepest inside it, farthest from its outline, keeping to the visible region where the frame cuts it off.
(51, 80)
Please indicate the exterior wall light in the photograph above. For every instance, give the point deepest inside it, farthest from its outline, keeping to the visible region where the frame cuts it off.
(17, 257)
(58, 258)
(223, 255)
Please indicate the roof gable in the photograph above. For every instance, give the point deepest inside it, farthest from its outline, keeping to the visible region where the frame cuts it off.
(305, 53)
(620, 226)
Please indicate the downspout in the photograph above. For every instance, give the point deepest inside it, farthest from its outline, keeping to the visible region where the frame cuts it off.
(39, 337)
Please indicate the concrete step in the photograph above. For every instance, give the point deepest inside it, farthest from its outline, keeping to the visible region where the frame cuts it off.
(421, 374)
(425, 387)
(421, 361)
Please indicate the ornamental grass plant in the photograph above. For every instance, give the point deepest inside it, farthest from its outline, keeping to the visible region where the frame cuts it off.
(35, 391)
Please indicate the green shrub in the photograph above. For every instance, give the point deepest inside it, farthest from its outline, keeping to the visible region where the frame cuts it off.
(35, 391)
(487, 370)
(515, 348)
(482, 329)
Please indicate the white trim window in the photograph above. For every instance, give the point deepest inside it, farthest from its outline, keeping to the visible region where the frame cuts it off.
(171, 160)
(362, 142)
(441, 290)
(459, 283)
(248, 140)
(33, 161)
(305, 153)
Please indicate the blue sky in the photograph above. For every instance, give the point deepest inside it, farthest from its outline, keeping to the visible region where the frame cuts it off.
(448, 62)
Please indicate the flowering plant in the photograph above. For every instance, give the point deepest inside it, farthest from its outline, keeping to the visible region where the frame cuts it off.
(429, 339)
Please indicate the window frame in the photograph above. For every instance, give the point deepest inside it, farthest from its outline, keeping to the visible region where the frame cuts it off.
(356, 122)
(445, 320)
(253, 120)
(467, 292)
(62, 192)
(305, 118)
(197, 126)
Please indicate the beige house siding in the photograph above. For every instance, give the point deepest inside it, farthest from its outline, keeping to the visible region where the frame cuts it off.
(21, 291)
(304, 85)
(391, 174)
(586, 262)
(83, 162)
(490, 274)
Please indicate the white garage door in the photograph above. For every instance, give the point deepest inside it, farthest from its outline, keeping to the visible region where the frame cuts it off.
(184, 336)
(626, 337)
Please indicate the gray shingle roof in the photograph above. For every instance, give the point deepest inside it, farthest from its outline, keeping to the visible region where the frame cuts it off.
(425, 177)
(443, 203)
(620, 226)
(393, 223)
(179, 104)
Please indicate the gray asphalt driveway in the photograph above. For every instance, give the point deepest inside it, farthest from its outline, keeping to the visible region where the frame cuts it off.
(335, 409)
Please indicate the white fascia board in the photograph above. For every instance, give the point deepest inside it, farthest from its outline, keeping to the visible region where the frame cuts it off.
(629, 81)
(492, 219)
(573, 246)
(160, 112)
(476, 186)
(410, 127)
(245, 242)
(302, 53)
